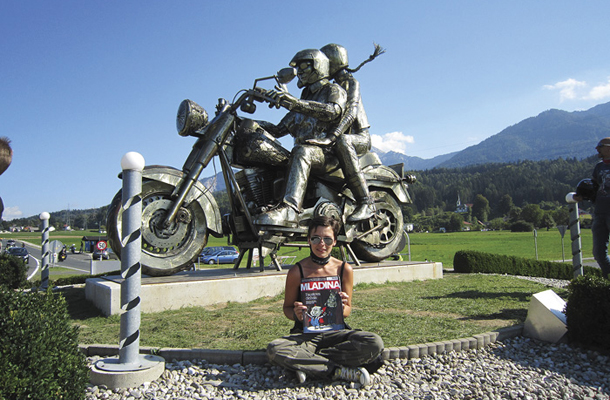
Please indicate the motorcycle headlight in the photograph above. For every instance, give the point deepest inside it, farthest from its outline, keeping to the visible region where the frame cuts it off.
(191, 118)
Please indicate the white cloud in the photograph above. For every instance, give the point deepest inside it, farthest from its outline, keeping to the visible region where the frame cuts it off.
(393, 141)
(567, 89)
(600, 92)
(11, 213)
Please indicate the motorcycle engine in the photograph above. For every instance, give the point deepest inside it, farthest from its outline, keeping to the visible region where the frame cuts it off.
(258, 186)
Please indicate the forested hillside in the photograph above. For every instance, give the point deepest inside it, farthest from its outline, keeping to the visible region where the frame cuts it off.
(526, 182)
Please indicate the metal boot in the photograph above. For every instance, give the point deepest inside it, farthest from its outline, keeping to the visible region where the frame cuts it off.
(365, 207)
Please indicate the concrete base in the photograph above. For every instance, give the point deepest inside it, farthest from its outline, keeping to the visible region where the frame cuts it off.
(101, 267)
(545, 318)
(149, 369)
(212, 286)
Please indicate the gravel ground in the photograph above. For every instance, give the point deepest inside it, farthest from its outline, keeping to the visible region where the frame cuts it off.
(518, 368)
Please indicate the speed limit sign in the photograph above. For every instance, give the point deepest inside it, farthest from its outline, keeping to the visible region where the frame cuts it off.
(101, 245)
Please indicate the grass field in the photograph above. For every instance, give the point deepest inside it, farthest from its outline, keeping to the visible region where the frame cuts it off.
(401, 313)
(442, 246)
(439, 247)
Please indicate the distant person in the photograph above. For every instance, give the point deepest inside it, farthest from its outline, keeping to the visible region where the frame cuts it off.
(6, 154)
(343, 354)
(598, 191)
(6, 157)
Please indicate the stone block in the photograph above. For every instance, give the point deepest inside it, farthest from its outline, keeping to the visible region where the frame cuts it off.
(545, 318)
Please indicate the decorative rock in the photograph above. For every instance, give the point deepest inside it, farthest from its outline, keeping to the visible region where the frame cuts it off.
(518, 368)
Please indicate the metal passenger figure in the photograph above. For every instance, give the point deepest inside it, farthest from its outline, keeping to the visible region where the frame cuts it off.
(310, 119)
(351, 135)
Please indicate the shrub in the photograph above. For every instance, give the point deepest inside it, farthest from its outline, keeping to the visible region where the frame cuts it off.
(72, 280)
(12, 272)
(39, 355)
(521, 226)
(588, 311)
(479, 262)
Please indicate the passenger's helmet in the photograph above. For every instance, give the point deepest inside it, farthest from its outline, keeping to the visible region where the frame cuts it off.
(587, 189)
(337, 55)
(319, 63)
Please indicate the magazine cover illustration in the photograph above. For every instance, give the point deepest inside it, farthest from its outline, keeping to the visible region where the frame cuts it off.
(324, 306)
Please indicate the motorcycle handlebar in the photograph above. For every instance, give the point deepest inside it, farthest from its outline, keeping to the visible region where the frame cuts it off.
(246, 100)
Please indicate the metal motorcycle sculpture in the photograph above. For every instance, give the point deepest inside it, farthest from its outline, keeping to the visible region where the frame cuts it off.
(179, 213)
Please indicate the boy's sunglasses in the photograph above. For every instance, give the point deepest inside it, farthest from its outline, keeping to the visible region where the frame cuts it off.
(317, 239)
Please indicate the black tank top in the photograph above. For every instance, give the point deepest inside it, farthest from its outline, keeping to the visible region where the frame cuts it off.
(298, 325)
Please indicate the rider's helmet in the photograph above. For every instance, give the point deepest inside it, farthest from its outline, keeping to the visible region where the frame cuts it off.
(318, 61)
(587, 189)
(337, 55)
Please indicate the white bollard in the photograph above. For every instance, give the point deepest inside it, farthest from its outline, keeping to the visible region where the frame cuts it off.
(575, 234)
(131, 368)
(44, 272)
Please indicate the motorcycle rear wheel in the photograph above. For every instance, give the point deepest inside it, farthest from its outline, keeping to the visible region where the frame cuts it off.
(391, 235)
(164, 251)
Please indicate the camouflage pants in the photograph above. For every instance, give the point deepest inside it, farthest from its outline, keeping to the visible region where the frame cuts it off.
(318, 354)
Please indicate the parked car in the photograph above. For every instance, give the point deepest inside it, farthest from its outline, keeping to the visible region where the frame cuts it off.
(214, 249)
(100, 254)
(221, 257)
(20, 252)
(111, 254)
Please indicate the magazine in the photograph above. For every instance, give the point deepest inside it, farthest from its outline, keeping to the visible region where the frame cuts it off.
(324, 306)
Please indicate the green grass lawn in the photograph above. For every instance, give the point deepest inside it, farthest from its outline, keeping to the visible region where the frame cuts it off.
(424, 246)
(442, 246)
(402, 313)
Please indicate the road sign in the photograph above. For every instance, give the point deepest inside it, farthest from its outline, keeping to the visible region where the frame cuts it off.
(101, 245)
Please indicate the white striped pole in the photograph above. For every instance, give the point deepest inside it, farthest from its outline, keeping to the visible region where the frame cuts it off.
(44, 272)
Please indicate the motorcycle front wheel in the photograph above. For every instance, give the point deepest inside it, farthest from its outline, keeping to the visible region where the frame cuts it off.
(390, 225)
(165, 250)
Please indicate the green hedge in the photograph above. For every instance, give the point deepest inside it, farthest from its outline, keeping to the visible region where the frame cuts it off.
(466, 261)
(39, 355)
(588, 311)
(72, 280)
(12, 272)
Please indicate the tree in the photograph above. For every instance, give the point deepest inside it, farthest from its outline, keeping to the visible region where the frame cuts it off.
(505, 205)
(456, 222)
(547, 221)
(222, 199)
(533, 214)
(480, 208)
(562, 216)
(514, 213)
(497, 224)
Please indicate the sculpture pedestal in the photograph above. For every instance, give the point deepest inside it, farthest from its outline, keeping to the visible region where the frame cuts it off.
(212, 286)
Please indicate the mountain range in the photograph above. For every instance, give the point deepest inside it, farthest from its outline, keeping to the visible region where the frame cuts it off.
(550, 135)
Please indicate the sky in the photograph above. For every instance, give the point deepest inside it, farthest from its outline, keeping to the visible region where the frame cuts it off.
(84, 82)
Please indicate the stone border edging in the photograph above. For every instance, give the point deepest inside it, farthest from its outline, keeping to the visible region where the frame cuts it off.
(231, 357)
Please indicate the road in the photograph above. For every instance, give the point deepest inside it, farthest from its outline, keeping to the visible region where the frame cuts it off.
(80, 263)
